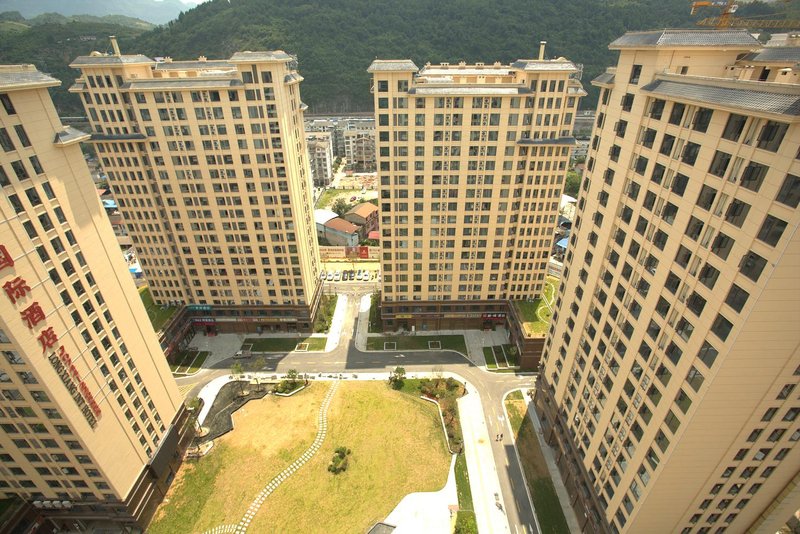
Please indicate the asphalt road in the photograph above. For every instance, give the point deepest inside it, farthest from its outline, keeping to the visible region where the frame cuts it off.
(347, 359)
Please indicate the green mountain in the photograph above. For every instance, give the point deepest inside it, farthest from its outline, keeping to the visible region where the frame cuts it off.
(20, 23)
(154, 11)
(335, 40)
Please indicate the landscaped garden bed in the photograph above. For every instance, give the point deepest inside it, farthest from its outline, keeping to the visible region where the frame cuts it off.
(449, 342)
(285, 344)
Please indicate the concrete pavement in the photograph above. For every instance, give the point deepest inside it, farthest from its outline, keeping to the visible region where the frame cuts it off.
(349, 359)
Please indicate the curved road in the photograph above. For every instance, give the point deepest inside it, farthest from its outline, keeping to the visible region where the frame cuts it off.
(347, 359)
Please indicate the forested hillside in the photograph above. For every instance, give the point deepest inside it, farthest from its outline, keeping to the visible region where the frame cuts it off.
(155, 11)
(335, 40)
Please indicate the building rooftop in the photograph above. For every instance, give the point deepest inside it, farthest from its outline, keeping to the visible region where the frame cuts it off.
(97, 58)
(559, 64)
(687, 38)
(194, 65)
(775, 54)
(24, 77)
(70, 135)
(400, 65)
(341, 225)
(607, 78)
(265, 55)
(365, 209)
(749, 98)
(322, 216)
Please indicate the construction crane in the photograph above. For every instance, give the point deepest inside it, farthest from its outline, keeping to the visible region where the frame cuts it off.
(727, 20)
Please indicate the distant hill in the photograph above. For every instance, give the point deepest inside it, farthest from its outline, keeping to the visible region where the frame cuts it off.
(15, 22)
(335, 40)
(156, 12)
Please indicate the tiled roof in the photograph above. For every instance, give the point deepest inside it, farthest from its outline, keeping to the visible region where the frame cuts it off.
(90, 61)
(365, 209)
(266, 55)
(70, 135)
(24, 76)
(174, 83)
(669, 38)
(606, 78)
(776, 54)
(392, 65)
(458, 89)
(192, 65)
(342, 226)
(322, 216)
(748, 99)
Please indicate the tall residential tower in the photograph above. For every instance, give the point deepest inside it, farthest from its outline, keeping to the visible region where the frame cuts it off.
(670, 381)
(208, 163)
(471, 160)
(91, 417)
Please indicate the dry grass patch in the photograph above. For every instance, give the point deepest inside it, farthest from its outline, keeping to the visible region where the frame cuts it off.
(268, 435)
(397, 448)
(545, 500)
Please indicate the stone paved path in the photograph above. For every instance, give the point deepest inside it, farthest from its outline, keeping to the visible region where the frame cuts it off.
(252, 510)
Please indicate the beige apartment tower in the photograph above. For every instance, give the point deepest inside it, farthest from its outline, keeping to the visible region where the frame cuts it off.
(669, 388)
(207, 160)
(91, 417)
(471, 160)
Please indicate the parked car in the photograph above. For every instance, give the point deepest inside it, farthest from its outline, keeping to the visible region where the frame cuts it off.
(329, 278)
(337, 276)
(322, 275)
(352, 275)
(345, 276)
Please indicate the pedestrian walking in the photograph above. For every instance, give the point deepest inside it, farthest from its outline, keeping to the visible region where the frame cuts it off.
(501, 437)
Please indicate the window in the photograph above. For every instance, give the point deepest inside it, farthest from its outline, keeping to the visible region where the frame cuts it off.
(676, 115)
(753, 176)
(722, 327)
(772, 135)
(695, 379)
(636, 72)
(737, 212)
(707, 354)
(706, 198)
(702, 119)
(789, 193)
(627, 102)
(734, 127)
(737, 297)
(690, 153)
(7, 105)
(771, 230)
(679, 184)
(720, 164)
(752, 265)
(722, 245)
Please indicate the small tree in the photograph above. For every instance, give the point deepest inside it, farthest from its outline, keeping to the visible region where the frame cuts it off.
(340, 207)
(236, 370)
(396, 377)
(257, 365)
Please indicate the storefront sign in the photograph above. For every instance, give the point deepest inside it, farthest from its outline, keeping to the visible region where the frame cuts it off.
(17, 289)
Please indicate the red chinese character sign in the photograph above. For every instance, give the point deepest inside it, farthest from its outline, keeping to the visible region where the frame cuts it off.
(33, 315)
(16, 289)
(5, 258)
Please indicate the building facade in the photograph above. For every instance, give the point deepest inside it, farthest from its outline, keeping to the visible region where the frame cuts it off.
(320, 153)
(669, 387)
(83, 381)
(471, 163)
(208, 163)
(359, 144)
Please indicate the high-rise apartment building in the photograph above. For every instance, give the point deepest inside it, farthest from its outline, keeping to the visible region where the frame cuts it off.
(91, 418)
(208, 163)
(670, 381)
(471, 162)
(320, 153)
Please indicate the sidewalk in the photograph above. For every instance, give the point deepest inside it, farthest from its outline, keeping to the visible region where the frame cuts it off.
(483, 479)
(552, 467)
(338, 319)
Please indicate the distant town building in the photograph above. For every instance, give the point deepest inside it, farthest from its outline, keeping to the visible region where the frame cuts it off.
(320, 154)
(333, 230)
(92, 420)
(359, 146)
(669, 382)
(208, 162)
(364, 215)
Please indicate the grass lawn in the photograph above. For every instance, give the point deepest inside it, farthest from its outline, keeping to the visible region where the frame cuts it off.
(327, 305)
(545, 501)
(198, 362)
(375, 324)
(488, 355)
(284, 344)
(512, 359)
(327, 198)
(465, 520)
(418, 342)
(158, 315)
(364, 417)
(530, 312)
(217, 489)
(551, 289)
